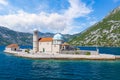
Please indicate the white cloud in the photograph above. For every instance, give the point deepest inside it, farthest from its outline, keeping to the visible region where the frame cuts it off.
(77, 9)
(3, 2)
(54, 22)
(115, 1)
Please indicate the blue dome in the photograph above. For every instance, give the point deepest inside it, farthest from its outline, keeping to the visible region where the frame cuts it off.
(58, 37)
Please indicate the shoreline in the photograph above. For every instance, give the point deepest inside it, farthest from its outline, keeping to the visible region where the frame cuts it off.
(65, 56)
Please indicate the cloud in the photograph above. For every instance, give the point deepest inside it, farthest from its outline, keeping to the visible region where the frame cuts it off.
(3, 2)
(23, 21)
(115, 1)
(43, 21)
(77, 9)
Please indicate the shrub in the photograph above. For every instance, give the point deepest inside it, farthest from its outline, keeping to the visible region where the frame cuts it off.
(27, 50)
(76, 52)
(87, 53)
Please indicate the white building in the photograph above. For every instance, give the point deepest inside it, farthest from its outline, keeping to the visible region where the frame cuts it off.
(12, 47)
(48, 44)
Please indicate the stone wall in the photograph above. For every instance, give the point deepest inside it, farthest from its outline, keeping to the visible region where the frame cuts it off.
(80, 52)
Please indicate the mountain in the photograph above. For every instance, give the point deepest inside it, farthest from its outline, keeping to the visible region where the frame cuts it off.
(103, 33)
(8, 36)
(65, 36)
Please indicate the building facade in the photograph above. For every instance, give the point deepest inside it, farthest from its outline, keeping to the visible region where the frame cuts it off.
(12, 47)
(48, 44)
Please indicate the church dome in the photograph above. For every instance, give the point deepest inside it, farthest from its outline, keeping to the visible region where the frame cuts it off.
(58, 37)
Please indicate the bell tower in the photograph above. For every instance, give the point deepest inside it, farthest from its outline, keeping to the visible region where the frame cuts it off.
(35, 41)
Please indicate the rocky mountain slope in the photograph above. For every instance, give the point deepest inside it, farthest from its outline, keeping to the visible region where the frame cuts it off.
(103, 33)
(8, 36)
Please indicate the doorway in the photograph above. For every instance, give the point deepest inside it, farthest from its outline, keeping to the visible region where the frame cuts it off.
(43, 49)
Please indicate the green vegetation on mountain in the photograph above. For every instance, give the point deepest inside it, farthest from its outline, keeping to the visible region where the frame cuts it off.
(103, 33)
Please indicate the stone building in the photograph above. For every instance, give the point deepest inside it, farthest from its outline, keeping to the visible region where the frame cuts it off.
(12, 47)
(48, 44)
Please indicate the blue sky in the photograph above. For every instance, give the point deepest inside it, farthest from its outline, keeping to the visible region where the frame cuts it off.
(64, 16)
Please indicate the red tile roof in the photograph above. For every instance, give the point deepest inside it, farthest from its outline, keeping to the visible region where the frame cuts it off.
(13, 46)
(49, 39)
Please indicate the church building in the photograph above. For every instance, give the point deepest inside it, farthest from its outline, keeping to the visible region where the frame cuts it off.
(48, 44)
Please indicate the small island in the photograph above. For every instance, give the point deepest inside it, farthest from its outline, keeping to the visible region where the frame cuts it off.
(55, 48)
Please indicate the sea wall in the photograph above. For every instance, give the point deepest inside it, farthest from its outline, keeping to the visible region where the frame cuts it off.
(63, 56)
(80, 52)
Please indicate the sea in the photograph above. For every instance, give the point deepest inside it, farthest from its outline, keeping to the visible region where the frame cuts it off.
(17, 68)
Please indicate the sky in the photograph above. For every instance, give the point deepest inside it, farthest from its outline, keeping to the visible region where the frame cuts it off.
(56, 16)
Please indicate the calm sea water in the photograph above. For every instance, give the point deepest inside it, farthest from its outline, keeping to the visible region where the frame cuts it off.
(15, 68)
